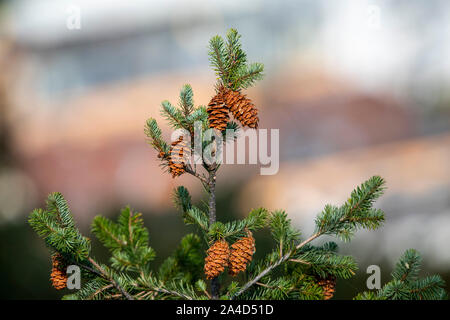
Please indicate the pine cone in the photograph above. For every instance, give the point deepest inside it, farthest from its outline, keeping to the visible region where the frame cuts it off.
(58, 275)
(242, 108)
(179, 155)
(216, 259)
(218, 116)
(161, 155)
(328, 285)
(241, 254)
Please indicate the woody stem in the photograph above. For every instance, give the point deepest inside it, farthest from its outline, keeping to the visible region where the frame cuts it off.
(215, 285)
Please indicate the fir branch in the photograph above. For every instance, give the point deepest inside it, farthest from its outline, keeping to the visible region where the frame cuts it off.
(256, 219)
(176, 288)
(429, 288)
(368, 295)
(247, 75)
(217, 57)
(94, 289)
(107, 232)
(274, 289)
(101, 271)
(405, 284)
(57, 205)
(408, 267)
(235, 57)
(186, 263)
(231, 132)
(153, 133)
(201, 286)
(199, 114)
(282, 231)
(174, 116)
(182, 199)
(326, 264)
(196, 216)
(127, 240)
(186, 100)
(55, 225)
(355, 213)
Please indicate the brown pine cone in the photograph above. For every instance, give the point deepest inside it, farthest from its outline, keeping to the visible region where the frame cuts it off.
(216, 259)
(328, 285)
(58, 276)
(179, 156)
(218, 116)
(241, 254)
(161, 155)
(242, 108)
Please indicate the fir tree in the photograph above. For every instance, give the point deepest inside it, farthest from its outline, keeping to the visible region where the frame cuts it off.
(294, 269)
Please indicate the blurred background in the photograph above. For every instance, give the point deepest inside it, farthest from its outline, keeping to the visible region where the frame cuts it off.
(356, 87)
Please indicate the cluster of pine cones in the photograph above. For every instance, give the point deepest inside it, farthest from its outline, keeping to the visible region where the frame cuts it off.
(58, 276)
(219, 256)
(226, 101)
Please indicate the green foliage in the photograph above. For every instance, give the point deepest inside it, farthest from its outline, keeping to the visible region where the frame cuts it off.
(246, 76)
(153, 132)
(182, 199)
(232, 133)
(55, 225)
(255, 220)
(368, 295)
(408, 267)
(186, 263)
(325, 264)
(299, 259)
(406, 284)
(282, 231)
(173, 115)
(186, 100)
(287, 287)
(355, 214)
(171, 290)
(229, 62)
(197, 217)
(127, 240)
(95, 289)
(199, 114)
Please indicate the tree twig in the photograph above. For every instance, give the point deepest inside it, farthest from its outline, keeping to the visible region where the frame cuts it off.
(103, 274)
(171, 292)
(202, 178)
(273, 266)
(215, 284)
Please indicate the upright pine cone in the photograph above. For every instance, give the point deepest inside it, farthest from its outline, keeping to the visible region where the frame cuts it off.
(58, 275)
(241, 254)
(242, 108)
(218, 116)
(216, 259)
(179, 155)
(328, 285)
